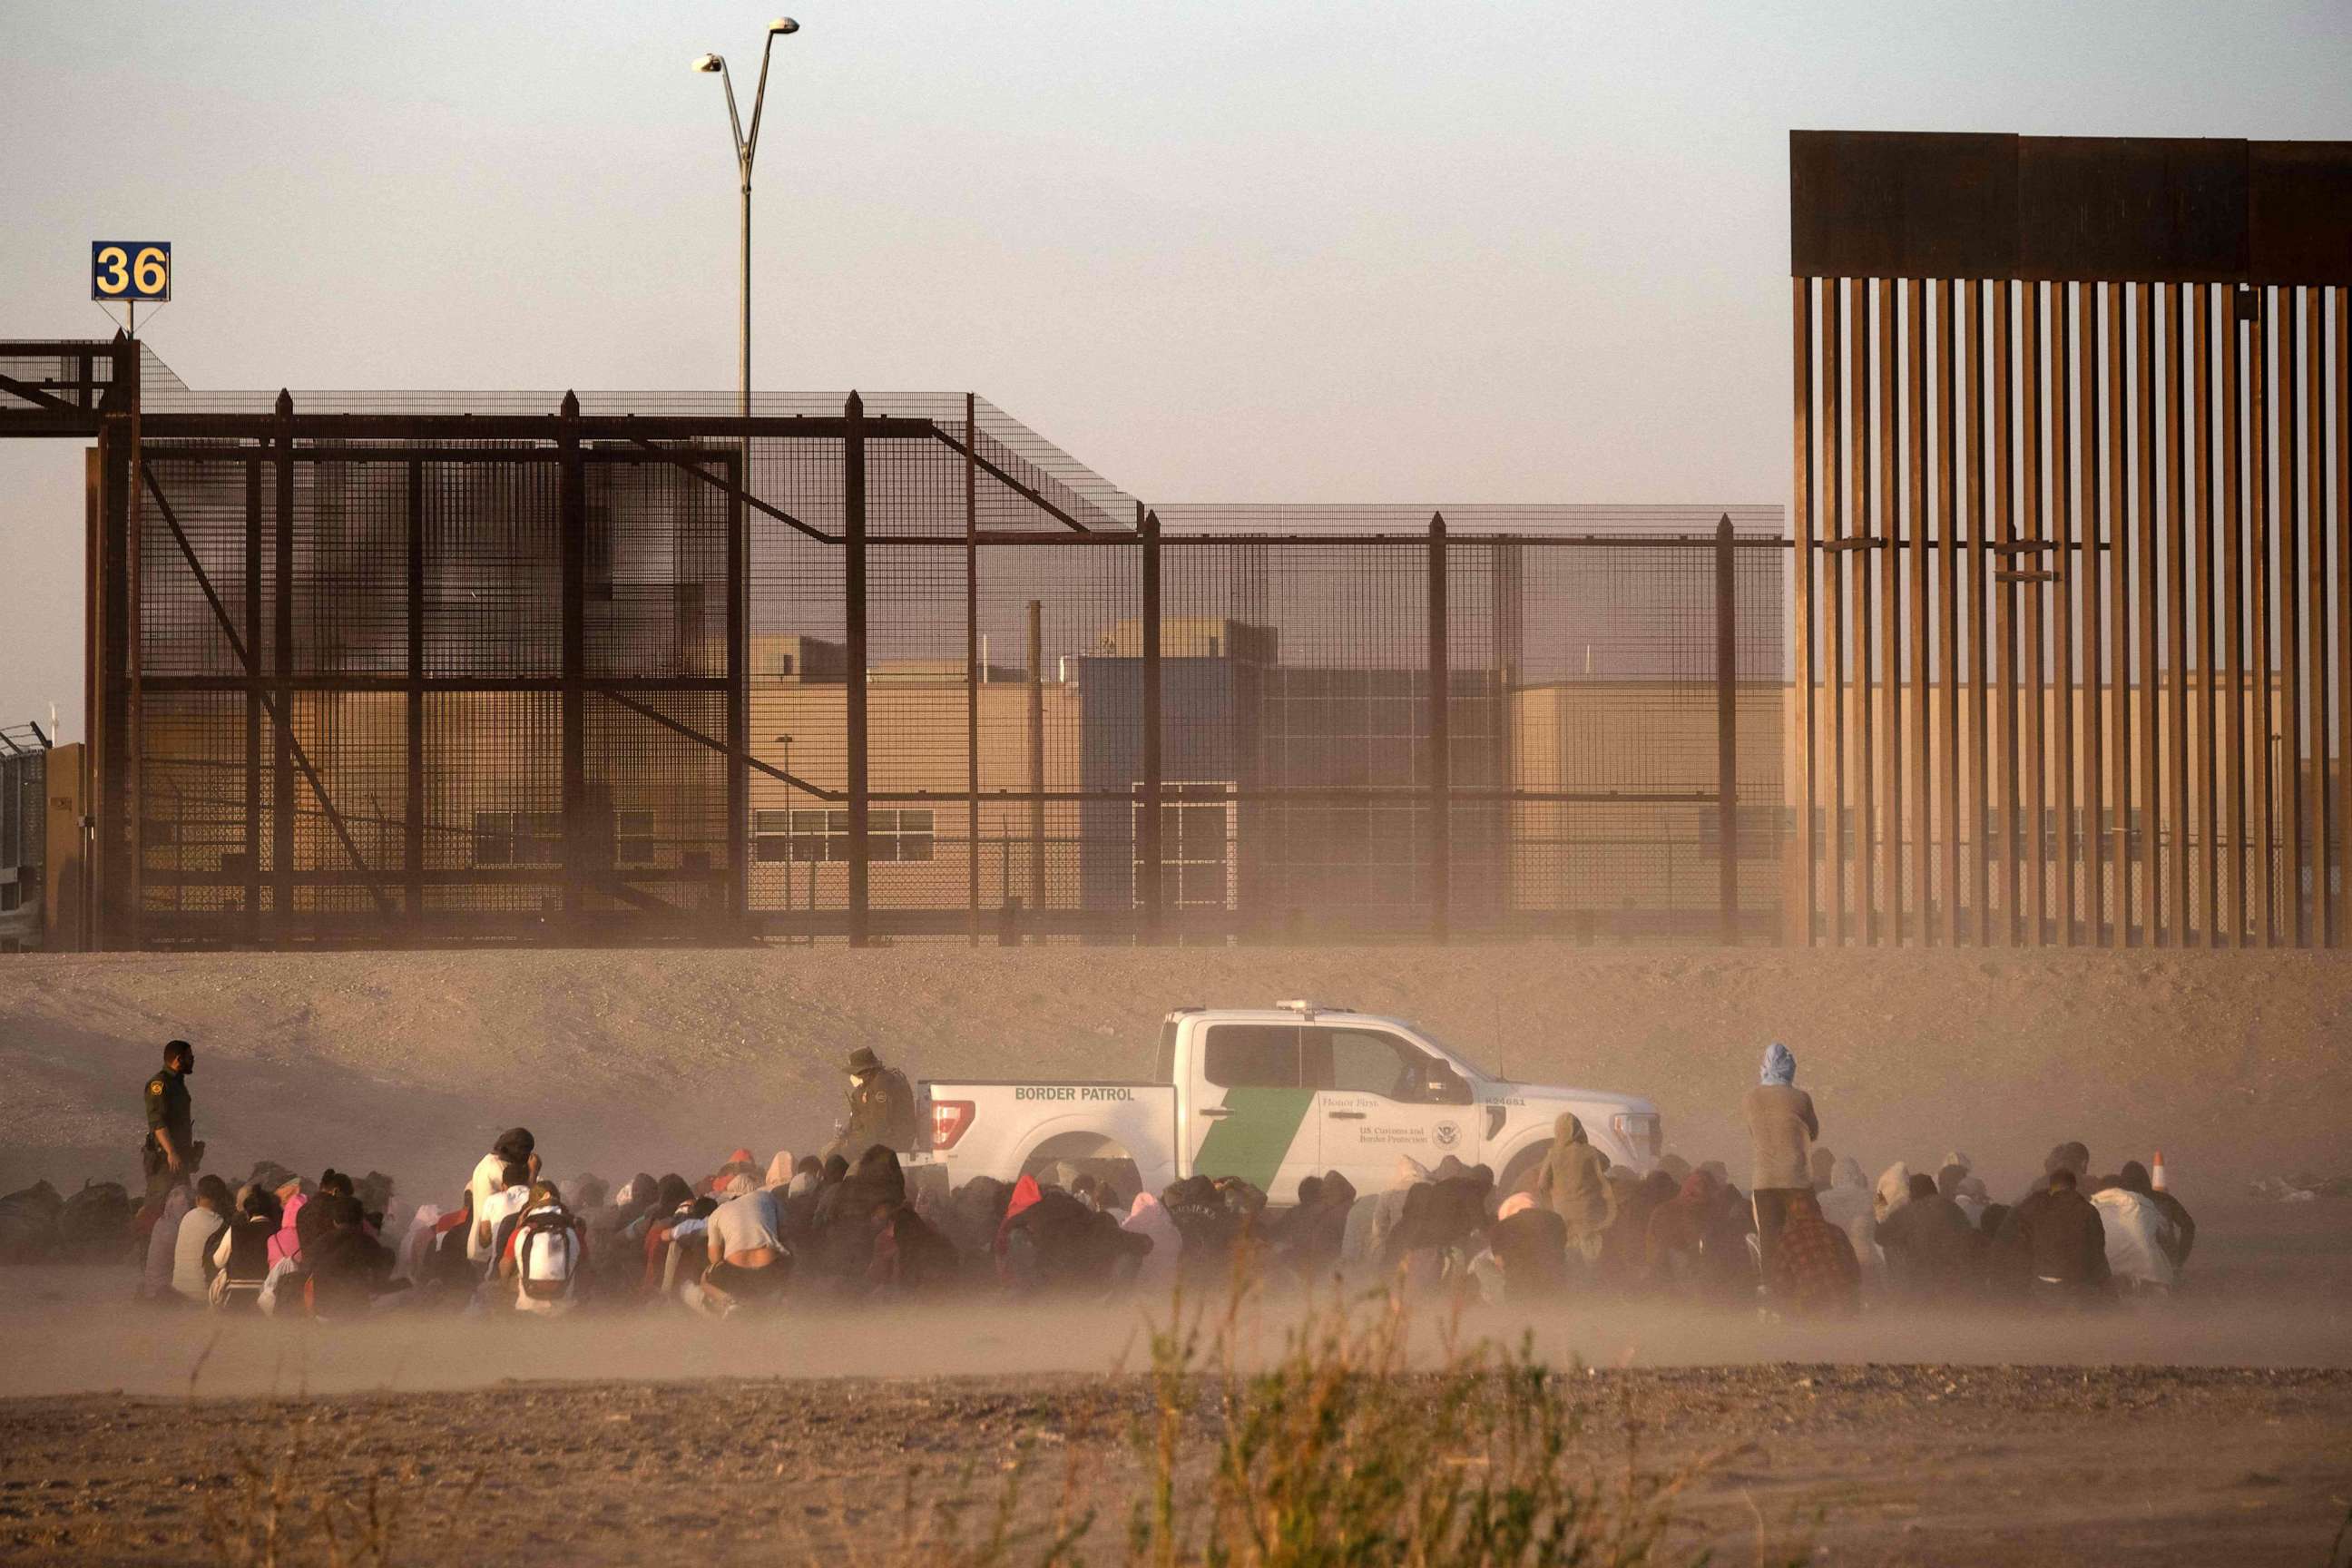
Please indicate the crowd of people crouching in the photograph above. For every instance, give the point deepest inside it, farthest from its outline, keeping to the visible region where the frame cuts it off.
(750, 1235)
(1907, 1240)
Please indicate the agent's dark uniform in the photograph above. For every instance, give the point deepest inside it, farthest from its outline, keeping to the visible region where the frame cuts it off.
(881, 1111)
(169, 1109)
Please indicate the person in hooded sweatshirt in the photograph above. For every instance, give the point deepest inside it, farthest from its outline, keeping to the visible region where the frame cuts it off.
(1781, 1128)
(1624, 1250)
(1531, 1244)
(348, 1267)
(614, 1229)
(1847, 1204)
(975, 1214)
(1675, 1250)
(1934, 1256)
(1072, 1248)
(1573, 1183)
(2053, 1246)
(914, 1256)
(1443, 1218)
(1894, 1191)
(850, 1215)
(798, 1208)
(1313, 1235)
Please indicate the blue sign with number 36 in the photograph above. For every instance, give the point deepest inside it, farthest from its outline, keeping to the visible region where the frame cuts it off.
(128, 269)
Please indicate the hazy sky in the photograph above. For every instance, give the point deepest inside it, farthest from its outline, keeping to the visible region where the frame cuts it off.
(1268, 251)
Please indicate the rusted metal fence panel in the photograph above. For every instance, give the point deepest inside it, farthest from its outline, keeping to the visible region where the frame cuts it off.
(2142, 662)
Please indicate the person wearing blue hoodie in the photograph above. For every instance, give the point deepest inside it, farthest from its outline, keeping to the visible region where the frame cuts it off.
(1781, 1128)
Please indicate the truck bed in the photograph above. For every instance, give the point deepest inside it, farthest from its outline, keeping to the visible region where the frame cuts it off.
(1002, 1127)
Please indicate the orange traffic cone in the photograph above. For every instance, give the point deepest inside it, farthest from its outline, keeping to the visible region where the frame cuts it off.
(2156, 1172)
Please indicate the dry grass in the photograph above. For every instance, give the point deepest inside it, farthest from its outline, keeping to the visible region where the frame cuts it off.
(1339, 1452)
(273, 1516)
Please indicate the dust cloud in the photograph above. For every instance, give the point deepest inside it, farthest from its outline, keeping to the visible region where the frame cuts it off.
(2278, 1300)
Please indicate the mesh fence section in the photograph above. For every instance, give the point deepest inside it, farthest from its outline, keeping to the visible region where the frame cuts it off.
(400, 681)
(1617, 744)
(355, 672)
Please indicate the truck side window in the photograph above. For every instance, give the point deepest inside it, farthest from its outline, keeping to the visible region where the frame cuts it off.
(1252, 1055)
(1367, 1061)
(1358, 1061)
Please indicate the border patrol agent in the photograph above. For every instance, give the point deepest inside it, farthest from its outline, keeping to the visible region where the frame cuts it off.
(881, 1107)
(167, 1155)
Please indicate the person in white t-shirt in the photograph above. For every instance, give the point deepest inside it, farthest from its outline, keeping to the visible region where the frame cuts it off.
(515, 1146)
(492, 1212)
(199, 1228)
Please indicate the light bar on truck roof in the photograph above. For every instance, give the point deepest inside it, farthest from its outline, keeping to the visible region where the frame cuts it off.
(1307, 1009)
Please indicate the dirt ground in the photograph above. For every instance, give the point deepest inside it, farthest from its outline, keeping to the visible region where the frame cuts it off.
(1873, 1464)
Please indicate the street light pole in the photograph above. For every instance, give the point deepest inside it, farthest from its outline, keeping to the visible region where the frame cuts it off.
(739, 537)
(747, 146)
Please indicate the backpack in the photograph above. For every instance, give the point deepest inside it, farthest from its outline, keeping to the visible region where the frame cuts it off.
(547, 1248)
(241, 1250)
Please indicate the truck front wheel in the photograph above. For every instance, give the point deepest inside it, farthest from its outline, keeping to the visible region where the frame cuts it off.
(1520, 1171)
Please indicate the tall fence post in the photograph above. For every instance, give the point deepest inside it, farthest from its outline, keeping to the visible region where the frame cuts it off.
(572, 548)
(412, 836)
(972, 667)
(134, 753)
(853, 567)
(251, 840)
(281, 795)
(1035, 743)
(113, 843)
(738, 693)
(1440, 771)
(1726, 736)
(1148, 849)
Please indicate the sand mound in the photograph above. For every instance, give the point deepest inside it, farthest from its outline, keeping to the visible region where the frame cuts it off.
(622, 1060)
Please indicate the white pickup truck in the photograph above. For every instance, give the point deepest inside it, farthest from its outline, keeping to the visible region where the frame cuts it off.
(1271, 1095)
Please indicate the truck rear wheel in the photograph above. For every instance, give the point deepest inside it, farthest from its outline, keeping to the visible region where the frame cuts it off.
(1061, 1161)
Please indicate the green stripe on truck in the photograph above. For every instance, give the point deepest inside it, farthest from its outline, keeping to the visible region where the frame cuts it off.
(1252, 1141)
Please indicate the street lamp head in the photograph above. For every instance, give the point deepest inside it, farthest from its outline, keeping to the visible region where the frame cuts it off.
(783, 25)
(709, 63)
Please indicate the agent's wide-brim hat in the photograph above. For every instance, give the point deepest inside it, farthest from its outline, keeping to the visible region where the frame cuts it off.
(863, 1059)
